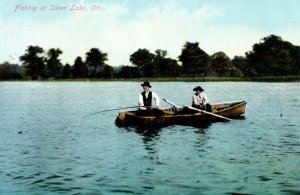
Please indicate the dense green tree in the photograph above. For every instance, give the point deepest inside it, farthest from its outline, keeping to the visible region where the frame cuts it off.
(295, 51)
(161, 54)
(54, 66)
(150, 69)
(241, 63)
(168, 67)
(129, 72)
(125, 72)
(144, 59)
(11, 71)
(194, 59)
(66, 72)
(96, 58)
(235, 72)
(34, 62)
(108, 71)
(80, 69)
(273, 56)
(220, 63)
(165, 67)
(141, 57)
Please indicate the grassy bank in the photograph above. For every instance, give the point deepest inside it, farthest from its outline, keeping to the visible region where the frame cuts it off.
(183, 79)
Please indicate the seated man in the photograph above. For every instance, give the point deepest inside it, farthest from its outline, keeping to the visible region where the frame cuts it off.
(200, 100)
(145, 101)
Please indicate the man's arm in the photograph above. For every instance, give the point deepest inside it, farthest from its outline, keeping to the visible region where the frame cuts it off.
(156, 98)
(205, 99)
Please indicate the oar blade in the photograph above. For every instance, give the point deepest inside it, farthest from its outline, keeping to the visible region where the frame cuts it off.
(210, 113)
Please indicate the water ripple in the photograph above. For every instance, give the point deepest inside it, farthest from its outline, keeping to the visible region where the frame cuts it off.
(47, 147)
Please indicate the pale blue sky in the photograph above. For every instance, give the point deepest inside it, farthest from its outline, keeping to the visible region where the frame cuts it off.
(232, 26)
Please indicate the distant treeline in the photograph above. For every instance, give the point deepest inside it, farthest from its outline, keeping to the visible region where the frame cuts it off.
(270, 57)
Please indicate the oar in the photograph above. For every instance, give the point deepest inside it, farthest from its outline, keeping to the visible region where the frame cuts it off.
(216, 115)
(113, 110)
(169, 102)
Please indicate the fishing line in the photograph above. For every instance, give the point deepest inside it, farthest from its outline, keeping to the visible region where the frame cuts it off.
(122, 93)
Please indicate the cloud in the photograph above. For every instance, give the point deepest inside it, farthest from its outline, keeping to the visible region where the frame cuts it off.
(165, 26)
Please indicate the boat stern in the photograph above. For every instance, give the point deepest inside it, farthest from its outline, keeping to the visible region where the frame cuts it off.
(120, 120)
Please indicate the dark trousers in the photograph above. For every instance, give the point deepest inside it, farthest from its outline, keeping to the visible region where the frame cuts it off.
(207, 107)
(150, 112)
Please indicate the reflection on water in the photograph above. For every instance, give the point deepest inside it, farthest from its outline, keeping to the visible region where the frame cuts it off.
(47, 147)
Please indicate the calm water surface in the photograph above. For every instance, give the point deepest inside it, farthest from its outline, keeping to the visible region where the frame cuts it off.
(46, 147)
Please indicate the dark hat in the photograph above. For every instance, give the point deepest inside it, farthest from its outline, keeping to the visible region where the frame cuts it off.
(146, 83)
(198, 88)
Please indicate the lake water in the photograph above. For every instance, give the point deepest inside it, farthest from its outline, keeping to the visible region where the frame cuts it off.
(46, 147)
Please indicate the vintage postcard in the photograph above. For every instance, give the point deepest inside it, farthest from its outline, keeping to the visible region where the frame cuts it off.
(149, 97)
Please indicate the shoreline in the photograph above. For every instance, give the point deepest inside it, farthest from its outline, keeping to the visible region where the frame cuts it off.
(175, 79)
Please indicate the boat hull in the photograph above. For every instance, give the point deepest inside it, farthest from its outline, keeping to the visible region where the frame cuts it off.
(183, 116)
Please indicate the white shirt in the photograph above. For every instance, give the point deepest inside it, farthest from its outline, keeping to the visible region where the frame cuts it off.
(200, 100)
(154, 96)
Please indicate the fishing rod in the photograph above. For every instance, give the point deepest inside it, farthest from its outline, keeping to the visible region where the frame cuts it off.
(113, 110)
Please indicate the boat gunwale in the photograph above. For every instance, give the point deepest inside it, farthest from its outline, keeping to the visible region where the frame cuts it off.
(240, 103)
(244, 102)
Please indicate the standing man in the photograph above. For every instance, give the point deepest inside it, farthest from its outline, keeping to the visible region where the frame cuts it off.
(200, 100)
(145, 99)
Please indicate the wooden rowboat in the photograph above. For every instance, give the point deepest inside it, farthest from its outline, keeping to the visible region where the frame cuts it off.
(183, 116)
